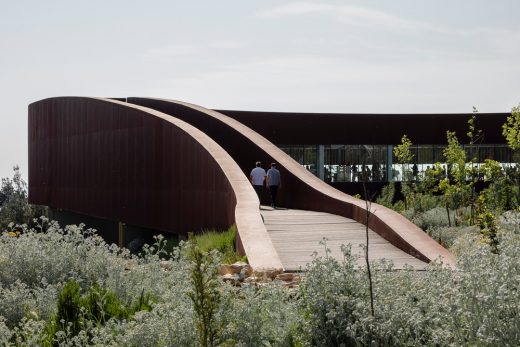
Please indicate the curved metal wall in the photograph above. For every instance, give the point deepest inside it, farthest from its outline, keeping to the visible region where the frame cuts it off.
(239, 144)
(120, 162)
(300, 189)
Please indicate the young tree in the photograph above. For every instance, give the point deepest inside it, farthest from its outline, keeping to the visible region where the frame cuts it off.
(456, 191)
(405, 158)
(205, 293)
(475, 137)
(502, 194)
(511, 130)
(368, 212)
(487, 222)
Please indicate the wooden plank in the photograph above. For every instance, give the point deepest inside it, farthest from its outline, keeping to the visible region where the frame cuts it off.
(296, 236)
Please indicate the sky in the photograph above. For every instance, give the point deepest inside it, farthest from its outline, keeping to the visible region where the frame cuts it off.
(393, 56)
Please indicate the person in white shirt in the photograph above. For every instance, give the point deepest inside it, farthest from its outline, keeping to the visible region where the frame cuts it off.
(257, 179)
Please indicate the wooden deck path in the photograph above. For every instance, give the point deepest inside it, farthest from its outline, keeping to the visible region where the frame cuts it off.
(296, 234)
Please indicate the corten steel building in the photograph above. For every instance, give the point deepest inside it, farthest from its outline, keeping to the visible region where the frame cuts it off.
(136, 166)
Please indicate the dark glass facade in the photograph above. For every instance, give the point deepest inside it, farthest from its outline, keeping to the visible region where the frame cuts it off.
(376, 163)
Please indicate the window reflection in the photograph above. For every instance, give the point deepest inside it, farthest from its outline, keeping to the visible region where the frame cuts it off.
(357, 163)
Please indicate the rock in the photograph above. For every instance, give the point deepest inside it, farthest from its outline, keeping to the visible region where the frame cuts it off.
(270, 273)
(228, 277)
(232, 279)
(251, 279)
(239, 266)
(241, 274)
(286, 277)
(224, 270)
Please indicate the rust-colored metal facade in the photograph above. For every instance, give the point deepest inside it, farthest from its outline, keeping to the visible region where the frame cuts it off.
(238, 144)
(301, 189)
(367, 129)
(123, 162)
(242, 147)
(116, 161)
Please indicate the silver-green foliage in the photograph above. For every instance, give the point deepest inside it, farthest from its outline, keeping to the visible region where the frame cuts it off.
(333, 301)
(34, 266)
(266, 316)
(476, 304)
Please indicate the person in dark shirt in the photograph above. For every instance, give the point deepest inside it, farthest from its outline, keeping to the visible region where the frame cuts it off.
(273, 182)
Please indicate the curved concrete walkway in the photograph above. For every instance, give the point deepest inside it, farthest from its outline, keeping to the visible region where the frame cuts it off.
(296, 235)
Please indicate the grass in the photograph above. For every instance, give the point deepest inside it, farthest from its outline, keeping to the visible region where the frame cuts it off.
(223, 241)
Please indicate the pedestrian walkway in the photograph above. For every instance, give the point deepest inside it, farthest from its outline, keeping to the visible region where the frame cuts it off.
(296, 234)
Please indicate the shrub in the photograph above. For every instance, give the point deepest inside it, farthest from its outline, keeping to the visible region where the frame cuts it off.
(433, 218)
(510, 220)
(14, 207)
(69, 313)
(387, 195)
(204, 294)
(34, 266)
(222, 241)
(447, 236)
(75, 313)
(267, 316)
(332, 300)
(477, 304)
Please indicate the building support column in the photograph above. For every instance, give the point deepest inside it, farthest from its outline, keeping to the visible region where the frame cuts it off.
(389, 156)
(321, 162)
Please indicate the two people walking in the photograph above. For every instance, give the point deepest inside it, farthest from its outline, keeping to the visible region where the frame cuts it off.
(272, 180)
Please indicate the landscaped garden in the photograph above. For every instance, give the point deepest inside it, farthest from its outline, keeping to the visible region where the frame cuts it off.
(66, 286)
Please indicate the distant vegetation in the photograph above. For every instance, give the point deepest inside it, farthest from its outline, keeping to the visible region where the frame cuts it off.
(14, 207)
(446, 201)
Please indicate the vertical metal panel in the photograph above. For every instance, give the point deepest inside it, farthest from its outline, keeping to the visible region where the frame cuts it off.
(117, 162)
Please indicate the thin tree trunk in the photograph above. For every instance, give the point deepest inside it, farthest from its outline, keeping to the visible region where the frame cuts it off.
(368, 204)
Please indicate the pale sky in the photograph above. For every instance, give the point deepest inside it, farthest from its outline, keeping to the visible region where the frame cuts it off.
(394, 56)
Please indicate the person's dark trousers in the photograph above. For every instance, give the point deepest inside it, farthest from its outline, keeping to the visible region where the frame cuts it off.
(258, 190)
(274, 191)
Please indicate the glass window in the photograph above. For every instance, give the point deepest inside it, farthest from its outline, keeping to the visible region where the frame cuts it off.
(354, 163)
